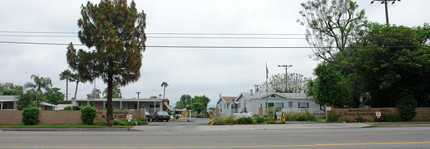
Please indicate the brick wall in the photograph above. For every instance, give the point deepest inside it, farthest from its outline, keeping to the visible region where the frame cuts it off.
(423, 114)
(14, 117)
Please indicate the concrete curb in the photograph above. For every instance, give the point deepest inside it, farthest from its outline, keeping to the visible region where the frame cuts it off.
(67, 129)
(403, 125)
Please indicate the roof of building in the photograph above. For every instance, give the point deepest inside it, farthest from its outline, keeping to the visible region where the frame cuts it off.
(8, 98)
(227, 99)
(122, 99)
(285, 95)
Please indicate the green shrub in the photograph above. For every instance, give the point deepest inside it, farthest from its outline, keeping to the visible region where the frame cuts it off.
(300, 116)
(259, 120)
(76, 108)
(142, 121)
(88, 114)
(67, 108)
(333, 118)
(244, 120)
(407, 112)
(29, 115)
(230, 120)
(407, 106)
(219, 121)
(388, 118)
(72, 108)
(269, 120)
(131, 123)
(100, 123)
(360, 119)
(118, 122)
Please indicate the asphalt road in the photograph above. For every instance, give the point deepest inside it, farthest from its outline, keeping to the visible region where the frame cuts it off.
(194, 121)
(378, 138)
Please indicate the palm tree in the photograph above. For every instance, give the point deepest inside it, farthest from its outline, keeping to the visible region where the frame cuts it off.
(116, 91)
(78, 79)
(164, 85)
(68, 76)
(38, 84)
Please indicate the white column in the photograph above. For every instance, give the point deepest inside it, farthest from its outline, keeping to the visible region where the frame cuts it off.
(88, 102)
(1, 105)
(104, 105)
(161, 105)
(155, 106)
(120, 104)
(137, 105)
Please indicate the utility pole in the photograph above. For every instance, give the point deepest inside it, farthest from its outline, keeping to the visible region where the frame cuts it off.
(386, 7)
(286, 75)
(257, 88)
(137, 94)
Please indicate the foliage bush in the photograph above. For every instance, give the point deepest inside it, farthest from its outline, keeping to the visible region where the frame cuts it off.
(244, 120)
(259, 120)
(70, 108)
(142, 121)
(29, 115)
(388, 118)
(407, 107)
(360, 119)
(230, 120)
(301, 116)
(88, 114)
(119, 122)
(219, 121)
(407, 112)
(333, 117)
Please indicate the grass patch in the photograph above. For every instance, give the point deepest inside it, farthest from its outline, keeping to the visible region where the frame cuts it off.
(321, 120)
(400, 123)
(57, 126)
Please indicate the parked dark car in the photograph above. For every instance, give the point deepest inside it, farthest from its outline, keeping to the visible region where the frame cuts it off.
(147, 116)
(160, 115)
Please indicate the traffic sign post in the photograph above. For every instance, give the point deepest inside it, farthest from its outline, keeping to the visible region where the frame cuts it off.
(378, 115)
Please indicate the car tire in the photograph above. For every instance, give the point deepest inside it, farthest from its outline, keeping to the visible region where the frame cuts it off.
(167, 120)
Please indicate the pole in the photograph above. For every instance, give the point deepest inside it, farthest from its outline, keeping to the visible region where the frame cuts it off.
(385, 2)
(286, 75)
(386, 13)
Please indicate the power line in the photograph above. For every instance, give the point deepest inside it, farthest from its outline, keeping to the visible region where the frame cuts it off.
(166, 37)
(198, 46)
(157, 33)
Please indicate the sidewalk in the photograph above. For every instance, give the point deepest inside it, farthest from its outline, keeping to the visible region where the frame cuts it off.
(253, 127)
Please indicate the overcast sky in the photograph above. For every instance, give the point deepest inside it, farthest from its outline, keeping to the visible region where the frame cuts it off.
(207, 72)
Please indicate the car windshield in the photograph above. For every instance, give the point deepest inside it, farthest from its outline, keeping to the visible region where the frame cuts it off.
(162, 113)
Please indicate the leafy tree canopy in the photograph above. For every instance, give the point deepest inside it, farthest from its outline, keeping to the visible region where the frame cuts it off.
(115, 31)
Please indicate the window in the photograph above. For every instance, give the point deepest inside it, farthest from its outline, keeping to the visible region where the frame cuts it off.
(303, 104)
(290, 104)
(270, 104)
(278, 104)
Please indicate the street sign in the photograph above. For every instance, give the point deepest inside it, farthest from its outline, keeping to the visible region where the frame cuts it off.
(129, 117)
(378, 114)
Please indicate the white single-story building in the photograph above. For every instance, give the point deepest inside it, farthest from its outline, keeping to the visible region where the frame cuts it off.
(150, 104)
(8, 102)
(226, 105)
(251, 102)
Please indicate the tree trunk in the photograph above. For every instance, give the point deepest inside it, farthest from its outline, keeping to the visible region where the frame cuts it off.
(67, 89)
(109, 110)
(76, 91)
(164, 93)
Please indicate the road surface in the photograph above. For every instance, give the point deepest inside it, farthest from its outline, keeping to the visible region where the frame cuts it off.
(375, 138)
